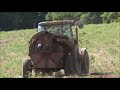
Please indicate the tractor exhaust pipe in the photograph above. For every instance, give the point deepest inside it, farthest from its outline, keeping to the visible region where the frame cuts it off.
(79, 25)
(76, 30)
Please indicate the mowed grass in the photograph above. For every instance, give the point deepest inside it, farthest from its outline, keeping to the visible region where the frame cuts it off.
(13, 49)
(101, 40)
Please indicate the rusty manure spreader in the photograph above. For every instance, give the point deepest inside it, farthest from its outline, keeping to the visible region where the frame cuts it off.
(55, 47)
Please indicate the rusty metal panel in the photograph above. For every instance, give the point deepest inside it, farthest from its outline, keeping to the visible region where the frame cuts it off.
(52, 60)
(47, 50)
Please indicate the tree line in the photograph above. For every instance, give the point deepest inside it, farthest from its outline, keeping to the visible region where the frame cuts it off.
(20, 20)
(28, 20)
(86, 17)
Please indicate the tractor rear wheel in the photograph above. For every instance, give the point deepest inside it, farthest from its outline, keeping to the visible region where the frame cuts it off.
(71, 65)
(84, 59)
(27, 69)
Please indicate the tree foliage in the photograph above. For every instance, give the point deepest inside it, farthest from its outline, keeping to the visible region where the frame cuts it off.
(24, 20)
(20, 20)
(108, 17)
(86, 17)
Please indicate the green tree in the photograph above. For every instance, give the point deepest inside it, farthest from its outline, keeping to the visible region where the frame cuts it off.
(62, 15)
(108, 17)
(20, 20)
(86, 17)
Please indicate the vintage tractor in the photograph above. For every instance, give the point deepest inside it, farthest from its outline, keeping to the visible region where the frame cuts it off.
(55, 47)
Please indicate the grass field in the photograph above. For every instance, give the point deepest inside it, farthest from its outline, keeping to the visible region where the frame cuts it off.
(101, 40)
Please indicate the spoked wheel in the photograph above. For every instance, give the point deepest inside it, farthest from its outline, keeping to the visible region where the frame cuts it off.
(84, 59)
(27, 68)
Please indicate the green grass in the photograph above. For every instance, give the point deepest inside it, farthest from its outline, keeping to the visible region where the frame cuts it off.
(101, 41)
(13, 49)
